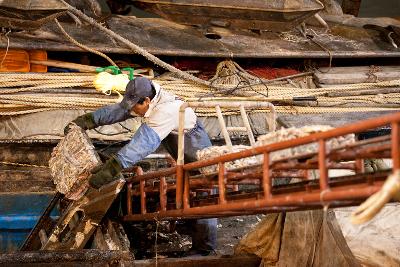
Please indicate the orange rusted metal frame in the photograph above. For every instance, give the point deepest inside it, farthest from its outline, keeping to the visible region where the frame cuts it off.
(274, 202)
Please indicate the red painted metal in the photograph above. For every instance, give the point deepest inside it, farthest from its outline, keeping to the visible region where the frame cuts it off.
(179, 186)
(395, 145)
(129, 199)
(323, 170)
(345, 190)
(164, 172)
(359, 165)
(274, 203)
(142, 198)
(163, 194)
(186, 192)
(221, 183)
(266, 180)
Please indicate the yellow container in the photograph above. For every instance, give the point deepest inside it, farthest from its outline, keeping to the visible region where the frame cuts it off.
(14, 60)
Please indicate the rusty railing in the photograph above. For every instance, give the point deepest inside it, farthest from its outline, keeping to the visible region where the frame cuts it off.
(177, 188)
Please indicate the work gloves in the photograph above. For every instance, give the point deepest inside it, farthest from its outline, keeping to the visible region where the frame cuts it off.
(86, 122)
(105, 173)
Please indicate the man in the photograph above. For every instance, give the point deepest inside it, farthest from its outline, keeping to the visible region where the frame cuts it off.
(160, 112)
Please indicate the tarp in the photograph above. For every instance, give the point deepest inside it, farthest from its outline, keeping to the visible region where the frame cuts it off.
(304, 238)
(50, 125)
(377, 242)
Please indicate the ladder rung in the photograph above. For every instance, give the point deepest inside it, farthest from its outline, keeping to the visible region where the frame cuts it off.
(236, 129)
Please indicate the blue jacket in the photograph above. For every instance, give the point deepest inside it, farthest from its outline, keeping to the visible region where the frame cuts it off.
(160, 125)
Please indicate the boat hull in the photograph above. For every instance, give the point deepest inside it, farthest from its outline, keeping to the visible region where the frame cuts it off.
(275, 16)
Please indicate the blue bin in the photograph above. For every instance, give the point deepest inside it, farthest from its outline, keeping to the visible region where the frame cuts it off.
(19, 213)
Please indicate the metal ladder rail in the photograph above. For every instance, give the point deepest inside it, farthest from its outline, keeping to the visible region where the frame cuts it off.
(326, 192)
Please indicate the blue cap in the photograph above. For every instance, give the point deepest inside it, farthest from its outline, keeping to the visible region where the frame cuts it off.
(136, 89)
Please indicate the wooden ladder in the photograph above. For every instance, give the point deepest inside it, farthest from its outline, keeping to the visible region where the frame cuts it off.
(246, 128)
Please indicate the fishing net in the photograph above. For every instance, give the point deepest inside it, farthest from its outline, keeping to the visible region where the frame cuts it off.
(283, 134)
(216, 151)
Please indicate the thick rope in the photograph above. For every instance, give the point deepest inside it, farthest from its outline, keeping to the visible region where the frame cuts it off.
(24, 112)
(191, 91)
(94, 103)
(369, 208)
(46, 86)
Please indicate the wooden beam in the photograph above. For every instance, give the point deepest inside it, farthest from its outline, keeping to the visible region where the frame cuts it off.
(332, 119)
(161, 37)
(90, 257)
(210, 261)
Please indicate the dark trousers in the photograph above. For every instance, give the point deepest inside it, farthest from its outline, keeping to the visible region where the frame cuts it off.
(202, 231)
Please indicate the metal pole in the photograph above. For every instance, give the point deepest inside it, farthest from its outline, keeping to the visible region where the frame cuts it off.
(323, 171)
(359, 165)
(186, 192)
(221, 183)
(181, 155)
(286, 200)
(395, 146)
(267, 184)
(163, 194)
(129, 199)
(142, 197)
(179, 186)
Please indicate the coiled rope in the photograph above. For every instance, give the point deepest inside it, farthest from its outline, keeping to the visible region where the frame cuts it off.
(14, 101)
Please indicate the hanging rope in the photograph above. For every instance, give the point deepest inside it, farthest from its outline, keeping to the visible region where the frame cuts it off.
(72, 40)
(367, 210)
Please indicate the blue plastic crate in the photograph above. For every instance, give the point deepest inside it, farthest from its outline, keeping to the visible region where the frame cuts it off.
(19, 213)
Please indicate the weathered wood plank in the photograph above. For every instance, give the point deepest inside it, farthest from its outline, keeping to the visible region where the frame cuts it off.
(162, 37)
(90, 257)
(24, 153)
(27, 185)
(90, 210)
(13, 173)
(362, 74)
(209, 261)
(332, 119)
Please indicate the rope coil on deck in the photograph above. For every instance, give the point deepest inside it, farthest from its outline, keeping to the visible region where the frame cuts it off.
(30, 103)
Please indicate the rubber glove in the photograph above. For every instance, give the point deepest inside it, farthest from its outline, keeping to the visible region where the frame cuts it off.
(105, 173)
(85, 121)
